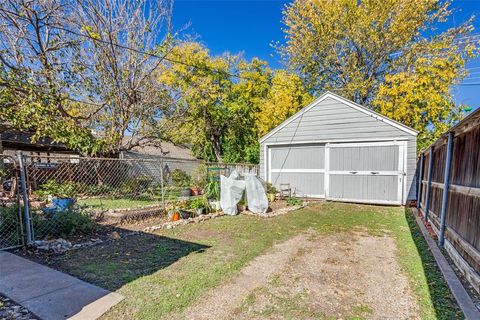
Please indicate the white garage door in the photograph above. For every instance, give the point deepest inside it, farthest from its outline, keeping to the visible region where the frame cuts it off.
(366, 172)
(302, 167)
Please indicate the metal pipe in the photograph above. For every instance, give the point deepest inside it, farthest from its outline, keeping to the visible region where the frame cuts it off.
(26, 211)
(429, 182)
(446, 184)
(420, 180)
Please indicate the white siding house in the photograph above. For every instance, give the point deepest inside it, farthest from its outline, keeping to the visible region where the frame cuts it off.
(339, 150)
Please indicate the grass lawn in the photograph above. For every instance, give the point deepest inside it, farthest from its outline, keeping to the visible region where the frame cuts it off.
(121, 203)
(160, 275)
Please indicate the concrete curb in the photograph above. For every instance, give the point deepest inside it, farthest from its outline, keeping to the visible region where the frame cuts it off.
(456, 287)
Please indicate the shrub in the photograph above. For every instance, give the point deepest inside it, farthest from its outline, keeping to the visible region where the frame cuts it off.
(212, 190)
(271, 189)
(8, 222)
(294, 201)
(63, 224)
(56, 189)
(180, 178)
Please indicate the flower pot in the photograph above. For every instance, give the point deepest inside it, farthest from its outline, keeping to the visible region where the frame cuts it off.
(196, 191)
(241, 207)
(186, 192)
(200, 211)
(185, 214)
(215, 205)
(176, 216)
(271, 197)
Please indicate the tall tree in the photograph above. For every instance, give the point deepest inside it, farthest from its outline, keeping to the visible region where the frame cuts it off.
(218, 98)
(419, 94)
(286, 96)
(38, 69)
(349, 46)
(67, 67)
(125, 43)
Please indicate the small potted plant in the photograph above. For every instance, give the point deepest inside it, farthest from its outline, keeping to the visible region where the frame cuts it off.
(199, 205)
(241, 206)
(271, 192)
(212, 192)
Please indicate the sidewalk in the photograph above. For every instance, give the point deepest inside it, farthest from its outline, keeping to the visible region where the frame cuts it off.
(50, 294)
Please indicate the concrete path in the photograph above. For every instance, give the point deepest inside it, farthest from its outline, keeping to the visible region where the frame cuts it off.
(50, 294)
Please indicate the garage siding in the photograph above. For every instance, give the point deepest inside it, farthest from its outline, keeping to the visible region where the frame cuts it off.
(298, 157)
(333, 120)
(378, 158)
(302, 184)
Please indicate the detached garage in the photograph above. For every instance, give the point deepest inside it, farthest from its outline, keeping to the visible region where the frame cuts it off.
(339, 150)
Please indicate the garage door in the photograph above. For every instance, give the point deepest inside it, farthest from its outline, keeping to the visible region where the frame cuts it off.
(302, 167)
(366, 172)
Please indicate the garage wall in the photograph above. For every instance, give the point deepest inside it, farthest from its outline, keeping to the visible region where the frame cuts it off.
(332, 119)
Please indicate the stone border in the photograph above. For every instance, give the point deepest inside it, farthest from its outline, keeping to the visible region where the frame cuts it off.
(182, 222)
(12, 310)
(275, 213)
(463, 298)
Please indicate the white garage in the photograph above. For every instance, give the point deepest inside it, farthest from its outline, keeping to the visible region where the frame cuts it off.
(338, 150)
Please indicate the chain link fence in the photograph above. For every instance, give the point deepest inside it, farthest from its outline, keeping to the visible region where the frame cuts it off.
(66, 192)
(11, 226)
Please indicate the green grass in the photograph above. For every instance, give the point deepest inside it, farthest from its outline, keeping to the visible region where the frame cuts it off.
(155, 289)
(121, 203)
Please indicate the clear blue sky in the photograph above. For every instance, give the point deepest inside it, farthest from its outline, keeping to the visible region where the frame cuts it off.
(251, 26)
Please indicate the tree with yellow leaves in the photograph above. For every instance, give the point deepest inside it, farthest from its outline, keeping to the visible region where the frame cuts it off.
(350, 46)
(286, 96)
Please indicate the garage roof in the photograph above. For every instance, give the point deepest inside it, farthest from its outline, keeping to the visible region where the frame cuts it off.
(347, 102)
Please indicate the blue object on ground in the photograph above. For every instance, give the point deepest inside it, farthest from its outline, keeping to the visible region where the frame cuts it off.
(59, 204)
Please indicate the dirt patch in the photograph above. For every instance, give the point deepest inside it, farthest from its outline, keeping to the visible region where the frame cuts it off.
(220, 303)
(344, 275)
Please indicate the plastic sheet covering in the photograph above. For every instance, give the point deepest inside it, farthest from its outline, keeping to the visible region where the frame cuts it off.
(231, 191)
(256, 195)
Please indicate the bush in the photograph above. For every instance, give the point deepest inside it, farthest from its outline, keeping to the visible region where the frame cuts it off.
(63, 224)
(212, 190)
(56, 189)
(8, 222)
(294, 202)
(180, 178)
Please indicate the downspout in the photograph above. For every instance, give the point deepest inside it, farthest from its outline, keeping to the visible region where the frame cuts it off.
(429, 182)
(446, 184)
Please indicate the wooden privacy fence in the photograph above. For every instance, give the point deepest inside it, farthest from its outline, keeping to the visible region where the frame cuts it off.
(449, 193)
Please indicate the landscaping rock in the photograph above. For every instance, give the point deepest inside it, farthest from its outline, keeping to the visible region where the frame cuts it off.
(11, 310)
(173, 224)
(275, 213)
(61, 245)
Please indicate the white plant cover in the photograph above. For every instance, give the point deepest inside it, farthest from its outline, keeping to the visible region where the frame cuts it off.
(256, 195)
(231, 191)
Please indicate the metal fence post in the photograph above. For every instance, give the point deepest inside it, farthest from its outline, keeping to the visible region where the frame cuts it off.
(162, 186)
(429, 182)
(420, 180)
(446, 184)
(26, 211)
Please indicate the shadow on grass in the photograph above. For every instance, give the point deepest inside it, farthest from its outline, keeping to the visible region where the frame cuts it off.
(442, 299)
(115, 263)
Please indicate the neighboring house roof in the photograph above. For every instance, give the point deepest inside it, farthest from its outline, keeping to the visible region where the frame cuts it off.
(347, 102)
(20, 140)
(164, 149)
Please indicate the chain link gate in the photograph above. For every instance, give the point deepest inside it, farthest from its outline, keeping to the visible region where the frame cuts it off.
(11, 214)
